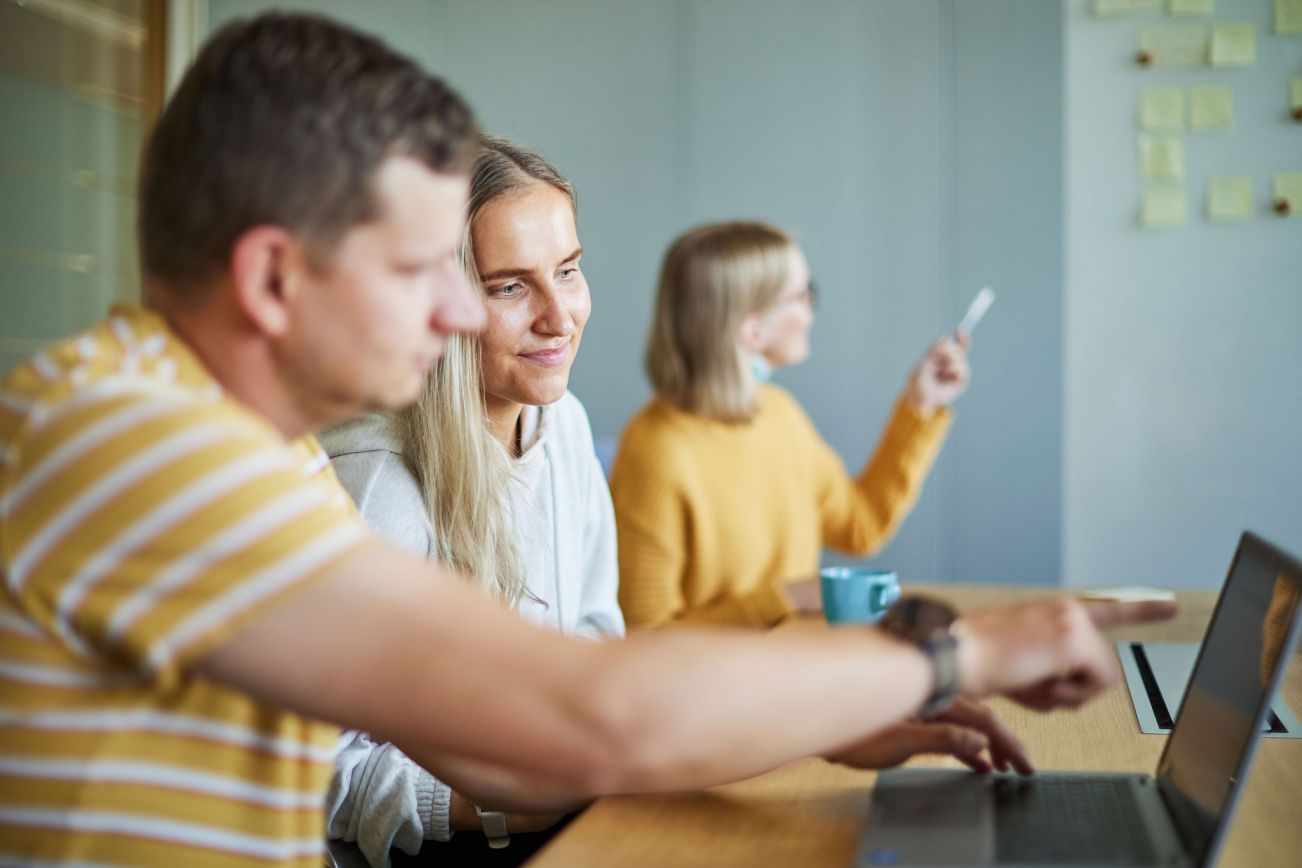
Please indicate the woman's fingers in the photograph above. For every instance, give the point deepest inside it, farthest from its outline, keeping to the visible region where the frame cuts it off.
(940, 377)
(949, 360)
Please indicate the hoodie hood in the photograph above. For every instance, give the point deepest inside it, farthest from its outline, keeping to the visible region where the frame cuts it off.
(374, 432)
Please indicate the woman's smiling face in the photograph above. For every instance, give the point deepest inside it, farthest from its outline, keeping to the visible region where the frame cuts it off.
(526, 249)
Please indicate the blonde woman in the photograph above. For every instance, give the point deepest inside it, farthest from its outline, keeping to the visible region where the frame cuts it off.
(493, 470)
(725, 494)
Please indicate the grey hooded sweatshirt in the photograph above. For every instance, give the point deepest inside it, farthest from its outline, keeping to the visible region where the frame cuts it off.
(565, 528)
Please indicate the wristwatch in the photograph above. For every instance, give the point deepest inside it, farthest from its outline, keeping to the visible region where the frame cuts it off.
(494, 827)
(928, 623)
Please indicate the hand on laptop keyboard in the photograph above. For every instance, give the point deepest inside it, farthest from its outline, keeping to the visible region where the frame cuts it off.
(1006, 749)
(968, 731)
(902, 741)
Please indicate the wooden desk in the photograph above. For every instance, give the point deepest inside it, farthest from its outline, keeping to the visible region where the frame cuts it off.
(810, 813)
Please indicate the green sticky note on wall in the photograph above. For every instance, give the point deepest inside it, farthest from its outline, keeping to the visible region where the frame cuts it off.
(1162, 108)
(1161, 157)
(1179, 45)
(1288, 16)
(1163, 207)
(1288, 187)
(1234, 44)
(1211, 108)
(1190, 7)
(1295, 93)
(1229, 197)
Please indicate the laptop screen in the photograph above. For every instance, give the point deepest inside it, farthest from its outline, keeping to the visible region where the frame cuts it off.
(1232, 683)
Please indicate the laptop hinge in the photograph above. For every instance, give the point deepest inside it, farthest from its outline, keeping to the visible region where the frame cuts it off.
(1183, 815)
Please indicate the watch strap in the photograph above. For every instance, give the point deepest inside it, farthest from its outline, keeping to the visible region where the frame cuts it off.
(943, 652)
(929, 625)
(495, 830)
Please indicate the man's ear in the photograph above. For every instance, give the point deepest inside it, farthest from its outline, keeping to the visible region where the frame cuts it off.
(751, 335)
(266, 263)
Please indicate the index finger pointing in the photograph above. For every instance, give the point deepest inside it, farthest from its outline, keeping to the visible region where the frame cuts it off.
(1111, 613)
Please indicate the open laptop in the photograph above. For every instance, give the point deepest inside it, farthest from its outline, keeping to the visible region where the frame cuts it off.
(1178, 816)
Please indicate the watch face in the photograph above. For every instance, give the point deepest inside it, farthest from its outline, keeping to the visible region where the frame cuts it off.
(920, 618)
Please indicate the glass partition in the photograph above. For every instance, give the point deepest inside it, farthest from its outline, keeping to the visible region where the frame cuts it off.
(80, 81)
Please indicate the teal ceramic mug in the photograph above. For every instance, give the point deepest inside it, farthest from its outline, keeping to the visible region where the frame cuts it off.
(854, 595)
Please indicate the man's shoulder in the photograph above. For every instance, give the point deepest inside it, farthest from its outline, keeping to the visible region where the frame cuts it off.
(56, 373)
(130, 356)
(128, 481)
(128, 394)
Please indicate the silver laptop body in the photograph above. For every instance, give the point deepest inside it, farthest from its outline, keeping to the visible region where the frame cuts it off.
(1177, 816)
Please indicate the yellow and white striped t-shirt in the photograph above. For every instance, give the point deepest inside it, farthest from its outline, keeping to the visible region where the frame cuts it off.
(144, 516)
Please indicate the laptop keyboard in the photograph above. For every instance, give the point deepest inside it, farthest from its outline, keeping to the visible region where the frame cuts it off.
(1069, 820)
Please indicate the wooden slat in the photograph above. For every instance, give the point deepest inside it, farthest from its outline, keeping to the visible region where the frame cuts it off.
(155, 59)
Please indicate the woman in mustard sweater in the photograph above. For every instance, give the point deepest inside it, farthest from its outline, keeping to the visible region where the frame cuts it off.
(725, 494)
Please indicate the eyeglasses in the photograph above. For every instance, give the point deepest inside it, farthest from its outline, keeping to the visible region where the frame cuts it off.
(808, 295)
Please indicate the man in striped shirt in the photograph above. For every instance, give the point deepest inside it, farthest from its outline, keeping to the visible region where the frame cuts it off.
(160, 486)
(188, 592)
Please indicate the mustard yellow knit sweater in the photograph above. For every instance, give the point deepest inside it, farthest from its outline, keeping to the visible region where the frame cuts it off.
(714, 517)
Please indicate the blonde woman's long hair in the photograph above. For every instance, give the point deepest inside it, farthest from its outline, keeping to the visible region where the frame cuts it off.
(462, 470)
(711, 279)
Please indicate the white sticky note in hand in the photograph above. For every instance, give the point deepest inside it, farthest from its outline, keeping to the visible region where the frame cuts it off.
(1129, 594)
(976, 310)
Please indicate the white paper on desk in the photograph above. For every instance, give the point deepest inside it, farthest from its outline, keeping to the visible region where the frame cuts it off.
(1129, 594)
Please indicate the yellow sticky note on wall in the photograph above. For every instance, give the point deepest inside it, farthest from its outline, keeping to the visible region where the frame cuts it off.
(1211, 108)
(1288, 189)
(1122, 7)
(1162, 108)
(1234, 44)
(1182, 45)
(1161, 157)
(1295, 95)
(1190, 7)
(1288, 16)
(1229, 197)
(1163, 207)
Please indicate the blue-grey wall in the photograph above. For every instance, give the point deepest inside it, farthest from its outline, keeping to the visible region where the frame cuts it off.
(1002, 500)
(914, 146)
(1184, 385)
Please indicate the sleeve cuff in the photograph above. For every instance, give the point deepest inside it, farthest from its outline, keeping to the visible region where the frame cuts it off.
(767, 606)
(916, 420)
(910, 427)
(433, 799)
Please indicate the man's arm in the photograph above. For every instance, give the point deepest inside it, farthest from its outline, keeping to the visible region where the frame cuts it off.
(404, 650)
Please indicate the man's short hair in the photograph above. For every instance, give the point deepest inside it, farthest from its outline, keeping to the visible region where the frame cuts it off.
(284, 119)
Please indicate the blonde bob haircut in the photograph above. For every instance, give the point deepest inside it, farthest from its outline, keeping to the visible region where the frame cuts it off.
(712, 278)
